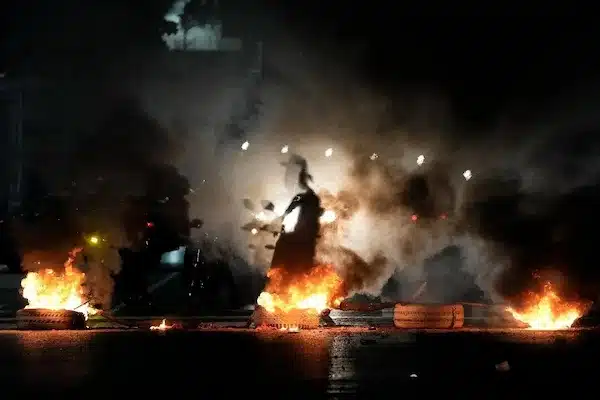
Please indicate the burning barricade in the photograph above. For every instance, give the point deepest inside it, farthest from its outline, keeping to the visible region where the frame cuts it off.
(56, 298)
(163, 326)
(546, 310)
(298, 300)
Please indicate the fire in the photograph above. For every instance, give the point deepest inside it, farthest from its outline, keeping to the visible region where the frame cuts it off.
(547, 311)
(57, 290)
(314, 291)
(162, 327)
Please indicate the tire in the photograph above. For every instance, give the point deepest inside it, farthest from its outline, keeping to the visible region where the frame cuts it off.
(414, 316)
(43, 319)
(294, 319)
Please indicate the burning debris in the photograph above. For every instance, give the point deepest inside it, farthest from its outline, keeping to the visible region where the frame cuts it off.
(314, 291)
(49, 289)
(546, 310)
(294, 319)
(298, 290)
(161, 327)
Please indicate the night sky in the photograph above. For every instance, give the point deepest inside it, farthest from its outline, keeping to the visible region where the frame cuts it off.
(486, 61)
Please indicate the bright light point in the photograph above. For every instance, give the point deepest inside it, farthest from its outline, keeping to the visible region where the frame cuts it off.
(420, 159)
(94, 240)
(328, 217)
(467, 174)
(414, 217)
(254, 231)
(285, 149)
(329, 152)
(245, 145)
(374, 156)
(261, 216)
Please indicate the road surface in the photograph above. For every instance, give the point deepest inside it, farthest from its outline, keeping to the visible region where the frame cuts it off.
(326, 362)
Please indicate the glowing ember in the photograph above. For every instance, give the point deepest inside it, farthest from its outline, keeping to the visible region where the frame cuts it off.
(57, 290)
(547, 311)
(162, 327)
(291, 329)
(314, 291)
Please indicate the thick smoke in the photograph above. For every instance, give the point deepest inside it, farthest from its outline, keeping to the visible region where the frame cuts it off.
(120, 157)
(496, 226)
(310, 109)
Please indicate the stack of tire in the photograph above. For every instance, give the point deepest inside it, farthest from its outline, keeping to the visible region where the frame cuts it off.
(426, 316)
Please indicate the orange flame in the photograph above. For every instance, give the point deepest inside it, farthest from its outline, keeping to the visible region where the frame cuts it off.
(62, 290)
(162, 327)
(314, 291)
(547, 311)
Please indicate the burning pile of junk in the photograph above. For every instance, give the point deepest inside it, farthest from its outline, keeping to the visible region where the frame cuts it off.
(102, 280)
(304, 285)
(299, 292)
(56, 298)
(303, 288)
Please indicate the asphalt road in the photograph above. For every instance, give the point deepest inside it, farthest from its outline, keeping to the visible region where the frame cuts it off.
(324, 363)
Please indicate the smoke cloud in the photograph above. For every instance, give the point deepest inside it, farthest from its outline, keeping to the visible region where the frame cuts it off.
(496, 224)
(371, 178)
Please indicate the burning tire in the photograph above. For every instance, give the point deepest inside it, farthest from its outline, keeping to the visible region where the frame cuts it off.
(429, 316)
(302, 319)
(43, 319)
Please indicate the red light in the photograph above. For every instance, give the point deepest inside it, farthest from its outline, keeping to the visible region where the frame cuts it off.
(149, 224)
(414, 217)
(443, 216)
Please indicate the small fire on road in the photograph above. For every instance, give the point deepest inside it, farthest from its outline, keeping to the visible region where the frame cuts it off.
(318, 289)
(161, 327)
(57, 290)
(546, 310)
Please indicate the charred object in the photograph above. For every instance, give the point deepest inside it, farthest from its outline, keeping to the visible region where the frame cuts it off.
(44, 319)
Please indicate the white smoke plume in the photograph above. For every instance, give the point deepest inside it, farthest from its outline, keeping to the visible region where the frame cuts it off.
(356, 148)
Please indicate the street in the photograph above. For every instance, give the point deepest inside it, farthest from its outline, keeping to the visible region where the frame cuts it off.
(320, 362)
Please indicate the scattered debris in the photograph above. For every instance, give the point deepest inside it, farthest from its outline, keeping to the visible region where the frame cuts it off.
(267, 205)
(249, 205)
(503, 367)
